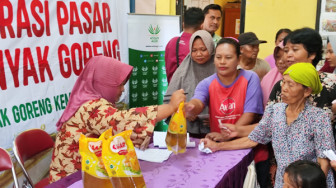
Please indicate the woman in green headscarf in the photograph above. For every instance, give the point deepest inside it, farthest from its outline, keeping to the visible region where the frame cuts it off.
(296, 129)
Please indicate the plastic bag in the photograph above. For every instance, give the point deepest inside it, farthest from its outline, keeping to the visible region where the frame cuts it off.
(176, 138)
(121, 162)
(93, 169)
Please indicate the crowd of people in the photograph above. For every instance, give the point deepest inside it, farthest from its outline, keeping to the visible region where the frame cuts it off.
(282, 105)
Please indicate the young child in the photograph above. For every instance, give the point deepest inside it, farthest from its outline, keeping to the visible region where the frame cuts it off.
(304, 174)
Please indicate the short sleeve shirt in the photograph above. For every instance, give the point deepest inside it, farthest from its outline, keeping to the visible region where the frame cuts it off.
(305, 138)
(227, 103)
(322, 100)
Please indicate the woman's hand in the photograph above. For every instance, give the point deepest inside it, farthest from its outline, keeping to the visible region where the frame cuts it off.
(217, 137)
(188, 108)
(229, 131)
(333, 164)
(176, 98)
(213, 146)
(166, 110)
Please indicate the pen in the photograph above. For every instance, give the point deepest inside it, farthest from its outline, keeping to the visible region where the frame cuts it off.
(171, 95)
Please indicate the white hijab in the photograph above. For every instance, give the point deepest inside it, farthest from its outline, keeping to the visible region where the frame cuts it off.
(332, 40)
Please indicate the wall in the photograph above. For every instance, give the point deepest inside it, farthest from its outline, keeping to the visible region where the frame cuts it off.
(222, 3)
(266, 17)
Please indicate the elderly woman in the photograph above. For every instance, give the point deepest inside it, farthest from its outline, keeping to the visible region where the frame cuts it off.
(91, 111)
(196, 66)
(296, 129)
(233, 95)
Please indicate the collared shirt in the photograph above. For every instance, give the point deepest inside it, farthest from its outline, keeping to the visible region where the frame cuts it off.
(305, 138)
(216, 38)
(322, 100)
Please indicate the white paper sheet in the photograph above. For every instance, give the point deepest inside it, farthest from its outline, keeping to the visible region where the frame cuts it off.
(202, 149)
(153, 155)
(159, 140)
(330, 154)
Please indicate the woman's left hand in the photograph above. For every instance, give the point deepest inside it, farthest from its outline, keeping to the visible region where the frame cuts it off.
(213, 146)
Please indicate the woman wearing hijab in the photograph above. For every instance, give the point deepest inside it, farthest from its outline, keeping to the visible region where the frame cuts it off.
(330, 62)
(330, 54)
(233, 95)
(196, 66)
(91, 111)
(297, 129)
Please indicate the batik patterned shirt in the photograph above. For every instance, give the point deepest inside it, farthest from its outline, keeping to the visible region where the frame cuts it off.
(92, 119)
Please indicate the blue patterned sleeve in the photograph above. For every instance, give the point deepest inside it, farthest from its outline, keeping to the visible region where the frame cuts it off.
(263, 132)
(323, 134)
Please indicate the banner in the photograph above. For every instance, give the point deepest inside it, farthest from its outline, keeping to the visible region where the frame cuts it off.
(44, 47)
(148, 36)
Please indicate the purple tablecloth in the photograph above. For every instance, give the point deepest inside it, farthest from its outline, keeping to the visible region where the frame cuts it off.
(190, 169)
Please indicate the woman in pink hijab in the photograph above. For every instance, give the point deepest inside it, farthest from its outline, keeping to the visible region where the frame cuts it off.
(91, 111)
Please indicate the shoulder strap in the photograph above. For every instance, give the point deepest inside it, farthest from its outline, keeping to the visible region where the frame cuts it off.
(177, 51)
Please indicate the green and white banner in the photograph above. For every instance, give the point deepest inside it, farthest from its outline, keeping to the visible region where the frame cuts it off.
(148, 36)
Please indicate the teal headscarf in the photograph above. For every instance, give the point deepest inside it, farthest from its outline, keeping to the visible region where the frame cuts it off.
(305, 74)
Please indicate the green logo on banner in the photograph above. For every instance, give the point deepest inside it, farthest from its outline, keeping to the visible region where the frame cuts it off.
(134, 84)
(135, 71)
(134, 97)
(144, 83)
(155, 30)
(155, 95)
(155, 70)
(144, 70)
(144, 96)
